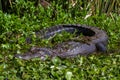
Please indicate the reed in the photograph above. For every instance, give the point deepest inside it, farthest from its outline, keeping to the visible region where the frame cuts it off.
(0, 5)
(90, 6)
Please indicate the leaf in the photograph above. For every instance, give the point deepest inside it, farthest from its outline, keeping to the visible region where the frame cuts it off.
(68, 75)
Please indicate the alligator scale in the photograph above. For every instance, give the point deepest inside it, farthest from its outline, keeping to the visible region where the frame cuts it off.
(96, 41)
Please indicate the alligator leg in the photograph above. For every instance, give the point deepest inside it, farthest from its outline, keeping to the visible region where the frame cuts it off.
(101, 47)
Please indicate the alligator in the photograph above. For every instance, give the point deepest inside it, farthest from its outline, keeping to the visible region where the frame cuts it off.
(96, 40)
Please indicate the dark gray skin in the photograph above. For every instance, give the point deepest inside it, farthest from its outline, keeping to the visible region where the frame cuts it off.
(35, 52)
(63, 50)
(96, 40)
(72, 49)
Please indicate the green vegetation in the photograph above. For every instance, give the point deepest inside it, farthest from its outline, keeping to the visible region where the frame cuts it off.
(25, 18)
